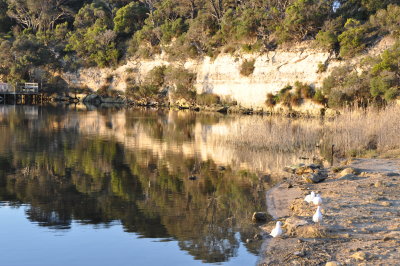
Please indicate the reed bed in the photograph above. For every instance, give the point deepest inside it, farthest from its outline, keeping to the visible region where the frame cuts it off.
(358, 131)
(354, 133)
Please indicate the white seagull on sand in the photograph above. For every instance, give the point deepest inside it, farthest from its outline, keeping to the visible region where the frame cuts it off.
(317, 217)
(309, 198)
(277, 231)
(317, 200)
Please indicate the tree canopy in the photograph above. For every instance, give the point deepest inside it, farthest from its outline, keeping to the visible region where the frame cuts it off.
(72, 33)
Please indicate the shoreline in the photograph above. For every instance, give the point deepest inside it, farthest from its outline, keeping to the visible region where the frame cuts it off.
(99, 101)
(361, 210)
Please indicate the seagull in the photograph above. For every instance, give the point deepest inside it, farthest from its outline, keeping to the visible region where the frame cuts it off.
(317, 200)
(277, 231)
(309, 198)
(317, 217)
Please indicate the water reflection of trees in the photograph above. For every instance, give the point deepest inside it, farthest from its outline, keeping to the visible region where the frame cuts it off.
(65, 176)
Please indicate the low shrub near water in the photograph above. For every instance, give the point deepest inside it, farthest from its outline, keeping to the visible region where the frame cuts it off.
(208, 99)
(106, 91)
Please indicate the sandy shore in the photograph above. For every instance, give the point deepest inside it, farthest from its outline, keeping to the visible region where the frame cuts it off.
(361, 218)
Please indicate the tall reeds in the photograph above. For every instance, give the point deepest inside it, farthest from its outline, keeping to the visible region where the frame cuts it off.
(354, 133)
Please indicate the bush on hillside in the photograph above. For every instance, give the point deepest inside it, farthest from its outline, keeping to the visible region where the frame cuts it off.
(247, 67)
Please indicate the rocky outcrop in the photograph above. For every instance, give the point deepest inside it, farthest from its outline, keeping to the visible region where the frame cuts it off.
(221, 75)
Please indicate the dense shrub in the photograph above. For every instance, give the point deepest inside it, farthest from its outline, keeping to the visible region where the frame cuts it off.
(352, 40)
(322, 67)
(137, 92)
(319, 97)
(106, 91)
(388, 19)
(303, 90)
(247, 67)
(270, 101)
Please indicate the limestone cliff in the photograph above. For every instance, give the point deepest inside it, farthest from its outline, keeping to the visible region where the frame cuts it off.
(273, 70)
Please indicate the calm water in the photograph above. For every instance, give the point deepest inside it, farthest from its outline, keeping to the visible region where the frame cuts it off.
(112, 187)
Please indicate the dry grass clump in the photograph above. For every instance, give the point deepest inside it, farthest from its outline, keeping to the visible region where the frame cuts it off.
(247, 67)
(357, 131)
(275, 134)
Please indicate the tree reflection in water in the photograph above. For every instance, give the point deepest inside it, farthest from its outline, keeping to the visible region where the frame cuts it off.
(66, 175)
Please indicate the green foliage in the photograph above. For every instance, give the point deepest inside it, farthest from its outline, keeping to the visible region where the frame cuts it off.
(5, 20)
(326, 39)
(337, 99)
(247, 67)
(352, 41)
(387, 19)
(156, 76)
(136, 92)
(303, 90)
(93, 41)
(172, 29)
(130, 18)
(68, 35)
(303, 18)
(321, 67)
(182, 80)
(385, 73)
(319, 97)
(391, 94)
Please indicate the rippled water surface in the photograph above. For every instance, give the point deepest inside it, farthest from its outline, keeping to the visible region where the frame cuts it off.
(112, 187)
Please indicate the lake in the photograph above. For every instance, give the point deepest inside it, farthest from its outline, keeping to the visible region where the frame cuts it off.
(136, 187)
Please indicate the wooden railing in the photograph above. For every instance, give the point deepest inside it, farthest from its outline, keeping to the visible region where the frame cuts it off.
(31, 88)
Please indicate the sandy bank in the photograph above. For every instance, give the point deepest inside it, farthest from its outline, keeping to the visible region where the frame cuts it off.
(361, 218)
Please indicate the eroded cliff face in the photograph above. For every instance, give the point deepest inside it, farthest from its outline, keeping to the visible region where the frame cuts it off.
(273, 71)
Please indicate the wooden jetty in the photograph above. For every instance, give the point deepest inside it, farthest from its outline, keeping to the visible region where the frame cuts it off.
(27, 93)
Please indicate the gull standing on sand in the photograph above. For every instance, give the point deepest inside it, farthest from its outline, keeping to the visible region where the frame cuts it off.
(309, 198)
(277, 231)
(317, 200)
(317, 217)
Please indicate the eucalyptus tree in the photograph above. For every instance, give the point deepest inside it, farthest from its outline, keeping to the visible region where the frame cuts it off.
(39, 15)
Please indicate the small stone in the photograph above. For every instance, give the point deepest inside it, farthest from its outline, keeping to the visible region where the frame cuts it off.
(299, 254)
(260, 217)
(360, 256)
(386, 238)
(332, 263)
(392, 174)
(248, 240)
(378, 184)
(314, 177)
(348, 171)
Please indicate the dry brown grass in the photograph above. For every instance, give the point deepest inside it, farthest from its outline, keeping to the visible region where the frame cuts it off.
(355, 132)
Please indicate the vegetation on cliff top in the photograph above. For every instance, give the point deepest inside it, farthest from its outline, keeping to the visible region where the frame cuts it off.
(41, 38)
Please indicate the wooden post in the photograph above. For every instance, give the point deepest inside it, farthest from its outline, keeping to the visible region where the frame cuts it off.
(332, 153)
